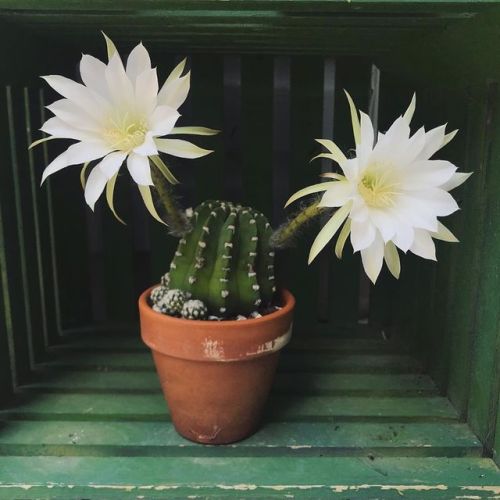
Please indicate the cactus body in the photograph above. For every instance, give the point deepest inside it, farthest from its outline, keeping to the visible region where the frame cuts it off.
(226, 260)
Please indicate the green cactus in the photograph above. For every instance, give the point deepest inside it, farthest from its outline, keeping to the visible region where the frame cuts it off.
(226, 260)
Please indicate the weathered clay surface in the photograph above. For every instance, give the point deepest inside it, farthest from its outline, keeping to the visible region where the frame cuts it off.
(216, 376)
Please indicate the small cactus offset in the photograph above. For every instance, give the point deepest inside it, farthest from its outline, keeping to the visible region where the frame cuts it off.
(226, 261)
(194, 309)
(158, 293)
(169, 301)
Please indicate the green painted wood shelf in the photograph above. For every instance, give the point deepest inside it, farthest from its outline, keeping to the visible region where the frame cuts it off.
(346, 419)
(352, 414)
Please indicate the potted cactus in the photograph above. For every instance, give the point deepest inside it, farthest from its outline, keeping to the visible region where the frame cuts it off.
(217, 321)
(221, 326)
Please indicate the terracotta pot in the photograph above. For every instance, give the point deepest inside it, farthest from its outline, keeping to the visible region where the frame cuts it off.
(216, 375)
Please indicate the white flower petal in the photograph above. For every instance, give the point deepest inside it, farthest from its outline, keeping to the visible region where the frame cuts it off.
(86, 151)
(356, 128)
(413, 147)
(148, 147)
(404, 236)
(61, 130)
(94, 187)
(416, 212)
(373, 258)
(176, 72)
(337, 194)
(163, 119)
(449, 137)
(341, 240)
(455, 180)
(110, 46)
(74, 116)
(444, 234)
(385, 221)
(120, 87)
(440, 202)
(362, 235)
(411, 109)
(93, 71)
(360, 210)
(194, 131)
(315, 188)
(434, 139)
(146, 90)
(351, 169)
(139, 169)
(83, 97)
(365, 147)
(111, 163)
(80, 152)
(398, 133)
(328, 231)
(335, 152)
(423, 246)
(180, 148)
(391, 257)
(428, 174)
(138, 62)
(174, 92)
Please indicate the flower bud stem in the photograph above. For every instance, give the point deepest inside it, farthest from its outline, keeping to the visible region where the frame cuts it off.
(175, 216)
(286, 233)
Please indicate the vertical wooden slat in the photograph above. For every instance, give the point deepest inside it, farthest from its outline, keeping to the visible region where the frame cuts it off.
(306, 125)
(39, 278)
(8, 368)
(232, 128)
(56, 328)
(23, 296)
(327, 130)
(467, 267)
(96, 263)
(141, 242)
(485, 382)
(441, 335)
(256, 131)
(281, 136)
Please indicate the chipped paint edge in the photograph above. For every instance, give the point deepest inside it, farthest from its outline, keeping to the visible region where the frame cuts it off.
(338, 488)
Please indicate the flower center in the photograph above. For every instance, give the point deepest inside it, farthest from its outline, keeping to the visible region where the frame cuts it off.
(126, 132)
(378, 187)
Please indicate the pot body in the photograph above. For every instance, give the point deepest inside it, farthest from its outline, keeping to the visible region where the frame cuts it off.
(216, 375)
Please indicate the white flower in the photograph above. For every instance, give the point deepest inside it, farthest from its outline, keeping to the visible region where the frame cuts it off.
(390, 195)
(119, 114)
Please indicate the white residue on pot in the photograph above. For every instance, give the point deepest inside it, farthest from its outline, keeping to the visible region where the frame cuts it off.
(213, 349)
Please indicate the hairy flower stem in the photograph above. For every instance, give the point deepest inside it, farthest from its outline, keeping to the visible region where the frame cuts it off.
(175, 216)
(286, 233)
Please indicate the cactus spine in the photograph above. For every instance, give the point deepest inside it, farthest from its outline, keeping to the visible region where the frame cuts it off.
(226, 260)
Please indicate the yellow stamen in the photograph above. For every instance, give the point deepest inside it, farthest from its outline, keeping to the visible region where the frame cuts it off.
(377, 187)
(125, 132)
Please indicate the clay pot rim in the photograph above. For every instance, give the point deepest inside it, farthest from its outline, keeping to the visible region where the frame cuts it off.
(287, 297)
